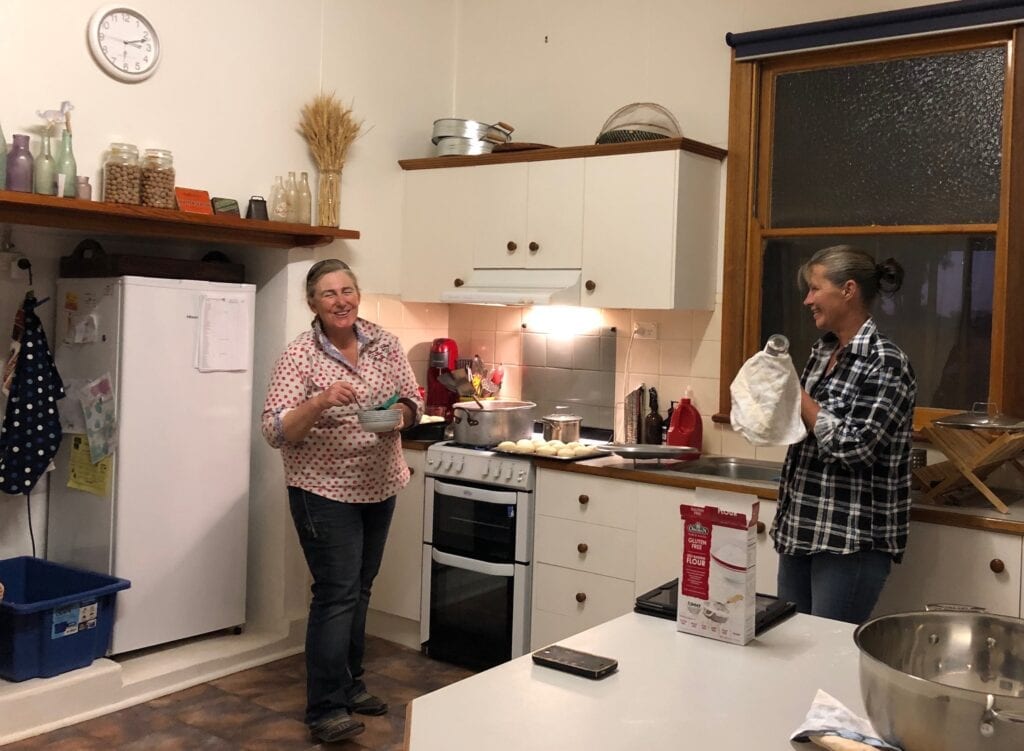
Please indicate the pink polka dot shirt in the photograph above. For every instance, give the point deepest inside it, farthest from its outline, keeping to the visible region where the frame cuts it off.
(337, 459)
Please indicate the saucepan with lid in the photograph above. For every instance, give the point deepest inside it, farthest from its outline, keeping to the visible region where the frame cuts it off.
(561, 425)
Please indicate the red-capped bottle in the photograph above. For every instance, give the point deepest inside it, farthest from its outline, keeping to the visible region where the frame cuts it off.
(687, 428)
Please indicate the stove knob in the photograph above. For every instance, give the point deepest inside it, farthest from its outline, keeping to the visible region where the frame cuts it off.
(461, 465)
(508, 473)
(448, 463)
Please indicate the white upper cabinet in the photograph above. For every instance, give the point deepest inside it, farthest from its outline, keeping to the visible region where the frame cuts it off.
(650, 231)
(435, 249)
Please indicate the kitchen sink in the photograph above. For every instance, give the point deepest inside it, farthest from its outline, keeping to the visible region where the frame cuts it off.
(724, 467)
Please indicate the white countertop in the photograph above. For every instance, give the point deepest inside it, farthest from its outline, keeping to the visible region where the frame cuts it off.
(672, 690)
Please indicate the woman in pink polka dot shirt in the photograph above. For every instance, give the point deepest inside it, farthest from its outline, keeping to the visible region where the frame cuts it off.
(341, 481)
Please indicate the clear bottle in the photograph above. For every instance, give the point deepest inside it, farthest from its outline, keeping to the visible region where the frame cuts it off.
(156, 179)
(83, 190)
(45, 171)
(3, 161)
(277, 205)
(121, 174)
(66, 165)
(777, 344)
(291, 196)
(19, 165)
(305, 213)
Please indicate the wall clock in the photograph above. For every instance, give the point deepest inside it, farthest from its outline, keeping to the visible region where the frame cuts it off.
(124, 43)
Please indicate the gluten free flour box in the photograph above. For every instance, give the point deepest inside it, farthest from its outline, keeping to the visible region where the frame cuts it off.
(717, 586)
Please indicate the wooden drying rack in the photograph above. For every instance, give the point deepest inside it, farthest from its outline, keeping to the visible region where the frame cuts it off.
(972, 455)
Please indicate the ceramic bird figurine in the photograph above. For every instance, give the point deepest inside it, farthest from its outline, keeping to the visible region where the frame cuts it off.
(54, 118)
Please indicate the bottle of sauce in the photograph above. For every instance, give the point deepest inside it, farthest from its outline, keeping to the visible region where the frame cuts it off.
(652, 423)
(687, 428)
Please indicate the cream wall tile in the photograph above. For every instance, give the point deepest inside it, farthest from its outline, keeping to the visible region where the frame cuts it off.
(707, 325)
(705, 395)
(482, 317)
(512, 384)
(645, 356)
(415, 342)
(508, 347)
(508, 319)
(771, 453)
(481, 343)
(711, 435)
(676, 357)
(706, 359)
(461, 337)
(369, 308)
(675, 324)
(673, 388)
(426, 315)
(392, 313)
(734, 444)
(620, 319)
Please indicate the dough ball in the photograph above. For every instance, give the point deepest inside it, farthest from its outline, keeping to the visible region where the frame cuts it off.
(546, 450)
(556, 443)
(537, 441)
(582, 451)
(507, 446)
(524, 443)
(526, 448)
(566, 452)
(573, 444)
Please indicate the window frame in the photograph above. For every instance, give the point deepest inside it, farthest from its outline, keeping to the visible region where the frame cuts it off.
(747, 215)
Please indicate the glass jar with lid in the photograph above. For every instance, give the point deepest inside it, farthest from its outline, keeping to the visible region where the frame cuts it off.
(121, 174)
(157, 179)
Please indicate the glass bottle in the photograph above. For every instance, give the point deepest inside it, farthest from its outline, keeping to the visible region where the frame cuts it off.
(19, 165)
(777, 345)
(277, 206)
(291, 196)
(156, 181)
(66, 165)
(3, 160)
(83, 190)
(121, 174)
(45, 171)
(304, 215)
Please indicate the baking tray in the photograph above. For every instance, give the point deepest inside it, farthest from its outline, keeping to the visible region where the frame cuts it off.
(592, 455)
(646, 450)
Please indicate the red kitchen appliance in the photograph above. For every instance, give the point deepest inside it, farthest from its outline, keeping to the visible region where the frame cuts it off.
(443, 356)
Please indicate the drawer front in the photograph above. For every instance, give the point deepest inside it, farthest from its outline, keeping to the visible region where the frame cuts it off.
(586, 547)
(566, 602)
(611, 503)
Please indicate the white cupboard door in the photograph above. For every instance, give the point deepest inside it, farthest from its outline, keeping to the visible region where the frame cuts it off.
(396, 589)
(495, 219)
(554, 215)
(435, 251)
(946, 564)
(629, 230)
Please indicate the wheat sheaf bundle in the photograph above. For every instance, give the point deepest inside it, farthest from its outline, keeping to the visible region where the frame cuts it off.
(329, 128)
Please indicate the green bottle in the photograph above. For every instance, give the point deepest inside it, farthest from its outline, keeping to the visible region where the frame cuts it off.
(45, 171)
(66, 165)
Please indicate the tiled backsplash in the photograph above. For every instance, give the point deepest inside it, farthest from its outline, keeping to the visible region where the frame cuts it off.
(685, 353)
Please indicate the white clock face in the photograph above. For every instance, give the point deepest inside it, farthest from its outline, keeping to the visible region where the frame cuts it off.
(124, 43)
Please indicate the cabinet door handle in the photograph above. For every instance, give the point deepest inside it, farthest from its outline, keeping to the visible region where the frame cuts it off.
(582, 547)
(581, 597)
(997, 566)
(591, 285)
(584, 499)
(534, 247)
(458, 282)
(511, 246)
(761, 528)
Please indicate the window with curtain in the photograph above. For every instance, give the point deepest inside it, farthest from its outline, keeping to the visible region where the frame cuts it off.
(900, 148)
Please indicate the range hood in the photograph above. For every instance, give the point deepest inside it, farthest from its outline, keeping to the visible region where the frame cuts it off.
(518, 287)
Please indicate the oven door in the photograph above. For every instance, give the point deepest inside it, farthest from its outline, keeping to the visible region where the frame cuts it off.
(475, 612)
(473, 522)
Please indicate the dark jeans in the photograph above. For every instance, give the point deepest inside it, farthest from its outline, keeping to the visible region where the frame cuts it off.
(343, 544)
(840, 587)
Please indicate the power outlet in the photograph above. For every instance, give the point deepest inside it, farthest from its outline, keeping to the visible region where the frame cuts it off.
(9, 268)
(645, 330)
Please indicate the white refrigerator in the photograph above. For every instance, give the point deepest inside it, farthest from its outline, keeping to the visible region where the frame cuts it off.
(174, 519)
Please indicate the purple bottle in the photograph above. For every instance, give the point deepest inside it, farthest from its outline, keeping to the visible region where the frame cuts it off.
(19, 165)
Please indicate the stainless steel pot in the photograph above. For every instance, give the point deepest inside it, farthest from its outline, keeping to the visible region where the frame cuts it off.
(944, 681)
(452, 146)
(492, 422)
(561, 427)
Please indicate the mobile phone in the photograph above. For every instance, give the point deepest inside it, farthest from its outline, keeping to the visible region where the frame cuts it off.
(573, 661)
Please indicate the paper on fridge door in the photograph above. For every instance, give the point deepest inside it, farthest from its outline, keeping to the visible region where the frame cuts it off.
(223, 337)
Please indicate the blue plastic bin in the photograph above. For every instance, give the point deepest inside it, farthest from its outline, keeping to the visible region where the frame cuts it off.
(53, 618)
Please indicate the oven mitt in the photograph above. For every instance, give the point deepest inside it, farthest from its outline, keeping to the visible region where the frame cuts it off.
(829, 724)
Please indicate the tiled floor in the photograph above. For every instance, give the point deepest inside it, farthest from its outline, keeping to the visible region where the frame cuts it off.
(258, 709)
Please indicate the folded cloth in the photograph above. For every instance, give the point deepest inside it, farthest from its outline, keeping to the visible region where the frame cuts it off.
(766, 401)
(830, 724)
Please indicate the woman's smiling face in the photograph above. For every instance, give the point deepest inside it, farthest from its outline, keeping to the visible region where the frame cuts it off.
(829, 304)
(335, 301)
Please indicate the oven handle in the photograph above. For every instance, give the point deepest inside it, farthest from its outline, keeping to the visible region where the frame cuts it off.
(471, 564)
(500, 497)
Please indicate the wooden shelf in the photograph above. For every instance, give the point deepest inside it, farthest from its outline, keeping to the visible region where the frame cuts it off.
(143, 221)
(566, 152)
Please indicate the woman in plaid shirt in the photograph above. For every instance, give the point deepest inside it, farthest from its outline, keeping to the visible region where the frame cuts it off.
(844, 496)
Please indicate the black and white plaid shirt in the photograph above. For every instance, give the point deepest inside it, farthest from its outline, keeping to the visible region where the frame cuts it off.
(846, 487)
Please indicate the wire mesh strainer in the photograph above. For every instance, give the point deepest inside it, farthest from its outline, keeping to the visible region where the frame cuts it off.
(639, 121)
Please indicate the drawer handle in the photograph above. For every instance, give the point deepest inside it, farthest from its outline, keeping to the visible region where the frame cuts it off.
(761, 528)
(997, 566)
(458, 282)
(511, 246)
(591, 285)
(584, 499)
(582, 547)
(581, 597)
(534, 247)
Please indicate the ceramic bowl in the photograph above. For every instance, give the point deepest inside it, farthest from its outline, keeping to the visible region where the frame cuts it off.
(380, 420)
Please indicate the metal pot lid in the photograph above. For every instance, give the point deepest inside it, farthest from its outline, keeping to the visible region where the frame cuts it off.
(561, 418)
(968, 420)
(645, 450)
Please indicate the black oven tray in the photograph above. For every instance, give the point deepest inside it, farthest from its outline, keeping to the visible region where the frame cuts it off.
(661, 602)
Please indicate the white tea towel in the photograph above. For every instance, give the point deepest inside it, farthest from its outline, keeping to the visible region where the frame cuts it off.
(830, 724)
(766, 401)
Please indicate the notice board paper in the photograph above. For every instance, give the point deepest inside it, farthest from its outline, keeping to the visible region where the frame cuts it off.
(223, 342)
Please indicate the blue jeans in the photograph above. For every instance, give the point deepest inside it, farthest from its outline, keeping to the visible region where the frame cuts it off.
(343, 544)
(840, 587)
